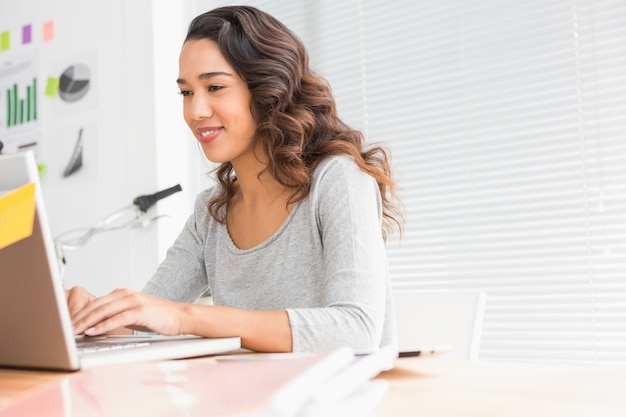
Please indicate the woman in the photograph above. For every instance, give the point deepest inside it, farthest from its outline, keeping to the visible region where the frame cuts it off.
(290, 241)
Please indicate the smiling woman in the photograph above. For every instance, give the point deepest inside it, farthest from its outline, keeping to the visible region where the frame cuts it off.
(291, 240)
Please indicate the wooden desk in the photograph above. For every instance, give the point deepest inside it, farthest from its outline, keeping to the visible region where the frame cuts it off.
(16, 383)
(431, 386)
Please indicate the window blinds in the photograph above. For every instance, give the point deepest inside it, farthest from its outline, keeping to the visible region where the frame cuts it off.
(507, 126)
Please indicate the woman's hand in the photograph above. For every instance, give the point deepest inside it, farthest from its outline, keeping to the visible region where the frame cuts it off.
(264, 331)
(127, 308)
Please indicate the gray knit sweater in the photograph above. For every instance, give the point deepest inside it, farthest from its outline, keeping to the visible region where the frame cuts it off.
(326, 265)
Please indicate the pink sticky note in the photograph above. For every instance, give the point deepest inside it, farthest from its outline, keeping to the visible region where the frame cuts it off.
(48, 31)
(26, 34)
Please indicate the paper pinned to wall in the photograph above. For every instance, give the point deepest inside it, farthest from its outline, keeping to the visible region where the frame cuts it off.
(27, 31)
(5, 41)
(19, 89)
(48, 31)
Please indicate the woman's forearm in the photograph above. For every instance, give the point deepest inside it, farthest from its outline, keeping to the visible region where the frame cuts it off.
(262, 331)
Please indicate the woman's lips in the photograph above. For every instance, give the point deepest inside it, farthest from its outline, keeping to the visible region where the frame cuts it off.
(206, 135)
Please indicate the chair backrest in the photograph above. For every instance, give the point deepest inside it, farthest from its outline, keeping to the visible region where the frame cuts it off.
(451, 319)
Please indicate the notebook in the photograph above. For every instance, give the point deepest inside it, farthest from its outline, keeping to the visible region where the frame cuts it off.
(34, 320)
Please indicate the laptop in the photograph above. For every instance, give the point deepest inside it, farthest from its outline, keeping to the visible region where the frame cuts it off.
(439, 321)
(35, 322)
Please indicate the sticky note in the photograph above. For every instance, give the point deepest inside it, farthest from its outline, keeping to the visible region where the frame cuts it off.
(48, 31)
(26, 34)
(42, 168)
(17, 215)
(5, 41)
(52, 87)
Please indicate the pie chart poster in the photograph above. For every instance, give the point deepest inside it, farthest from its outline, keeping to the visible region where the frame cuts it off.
(71, 85)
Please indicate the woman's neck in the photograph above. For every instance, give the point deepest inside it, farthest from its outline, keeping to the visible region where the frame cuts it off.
(255, 184)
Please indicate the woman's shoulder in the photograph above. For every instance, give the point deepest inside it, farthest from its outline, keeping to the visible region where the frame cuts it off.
(337, 176)
(339, 168)
(204, 196)
(202, 202)
(336, 165)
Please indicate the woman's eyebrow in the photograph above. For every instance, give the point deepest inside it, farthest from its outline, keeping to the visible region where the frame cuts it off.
(206, 76)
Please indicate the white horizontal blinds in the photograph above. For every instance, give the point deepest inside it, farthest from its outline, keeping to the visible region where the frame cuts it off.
(602, 43)
(338, 54)
(511, 154)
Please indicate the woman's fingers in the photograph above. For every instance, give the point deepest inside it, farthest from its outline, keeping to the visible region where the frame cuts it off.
(109, 324)
(127, 308)
(101, 313)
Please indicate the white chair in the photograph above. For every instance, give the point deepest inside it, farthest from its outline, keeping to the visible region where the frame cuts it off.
(440, 319)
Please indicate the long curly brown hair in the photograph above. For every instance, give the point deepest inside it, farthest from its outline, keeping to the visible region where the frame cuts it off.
(294, 108)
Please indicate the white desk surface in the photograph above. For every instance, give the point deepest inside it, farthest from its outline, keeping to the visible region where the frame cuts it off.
(435, 386)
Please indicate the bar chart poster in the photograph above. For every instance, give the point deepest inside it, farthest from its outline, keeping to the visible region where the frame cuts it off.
(19, 95)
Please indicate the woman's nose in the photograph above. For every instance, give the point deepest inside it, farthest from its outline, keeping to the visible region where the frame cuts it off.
(200, 107)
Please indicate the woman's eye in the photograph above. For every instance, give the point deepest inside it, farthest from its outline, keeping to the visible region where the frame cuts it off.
(215, 88)
(184, 93)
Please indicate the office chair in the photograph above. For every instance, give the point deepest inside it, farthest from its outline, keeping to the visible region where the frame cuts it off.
(440, 319)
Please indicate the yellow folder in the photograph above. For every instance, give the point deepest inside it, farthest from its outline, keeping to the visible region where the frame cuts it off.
(17, 214)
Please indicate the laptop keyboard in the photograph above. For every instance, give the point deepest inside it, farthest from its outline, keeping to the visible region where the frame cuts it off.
(98, 346)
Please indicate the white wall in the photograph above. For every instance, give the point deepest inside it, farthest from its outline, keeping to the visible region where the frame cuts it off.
(133, 47)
